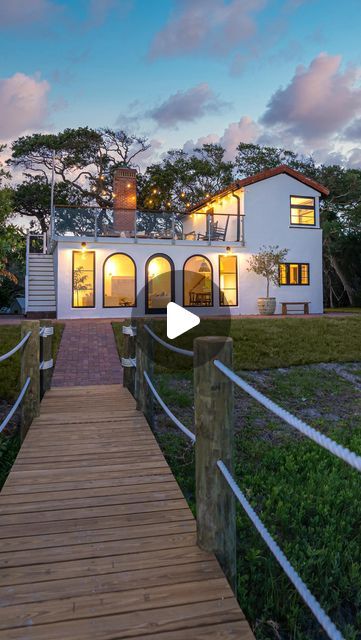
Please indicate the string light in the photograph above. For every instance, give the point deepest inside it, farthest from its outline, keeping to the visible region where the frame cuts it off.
(154, 191)
(128, 185)
(182, 194)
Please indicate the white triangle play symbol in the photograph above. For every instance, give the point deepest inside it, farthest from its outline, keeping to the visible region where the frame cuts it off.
(179, 320)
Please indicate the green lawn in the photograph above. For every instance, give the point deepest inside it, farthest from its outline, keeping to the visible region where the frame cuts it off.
(267, 343)
(309, 500)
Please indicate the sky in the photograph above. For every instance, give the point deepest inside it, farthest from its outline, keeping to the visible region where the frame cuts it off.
(184, 72)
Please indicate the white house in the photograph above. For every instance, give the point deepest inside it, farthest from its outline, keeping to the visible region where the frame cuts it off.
(107, 264)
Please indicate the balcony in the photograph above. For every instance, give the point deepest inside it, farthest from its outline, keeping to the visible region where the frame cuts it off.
(93, 222)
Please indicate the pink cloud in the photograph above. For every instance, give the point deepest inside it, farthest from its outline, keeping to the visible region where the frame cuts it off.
(17, 13)
(246, 130)
(23, 104)
(187, 106)
(319, 101)
(216, 26)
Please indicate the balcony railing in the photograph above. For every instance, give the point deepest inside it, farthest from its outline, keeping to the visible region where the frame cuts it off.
(93, 222)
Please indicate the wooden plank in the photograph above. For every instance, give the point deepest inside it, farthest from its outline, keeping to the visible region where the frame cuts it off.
(96, 549)
(110, 603)
(122, 581)
(96, 539)
(127, 625)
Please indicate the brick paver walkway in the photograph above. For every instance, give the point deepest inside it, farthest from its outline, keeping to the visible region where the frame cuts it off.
(87, 355)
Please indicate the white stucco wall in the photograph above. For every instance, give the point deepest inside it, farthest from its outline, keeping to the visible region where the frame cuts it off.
(266, 206)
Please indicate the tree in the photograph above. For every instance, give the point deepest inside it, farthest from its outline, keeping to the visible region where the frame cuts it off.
(181, 179)
(12, 244)
(253, 158)
(85, 161)
(266, 263)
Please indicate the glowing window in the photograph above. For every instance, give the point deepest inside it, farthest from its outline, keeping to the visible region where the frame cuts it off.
(302, 210)
(119, 281)
(228, 281)
(160, 283)
(291, 273)
(83, 277)
(197, 282)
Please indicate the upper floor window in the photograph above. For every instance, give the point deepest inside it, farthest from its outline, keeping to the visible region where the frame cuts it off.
(294, 273)
(303, 211)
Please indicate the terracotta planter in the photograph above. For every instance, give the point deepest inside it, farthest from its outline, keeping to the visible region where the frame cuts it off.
(266, 306)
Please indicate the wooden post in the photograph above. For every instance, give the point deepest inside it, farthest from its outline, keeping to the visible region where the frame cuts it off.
(144, 359)
(213, 404)
(129, 353)
(46, 358)
(30, 368)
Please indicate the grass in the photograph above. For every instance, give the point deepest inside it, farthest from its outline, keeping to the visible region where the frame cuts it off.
(268, 343)
(10, 368)
(10, 387)
(344, 310)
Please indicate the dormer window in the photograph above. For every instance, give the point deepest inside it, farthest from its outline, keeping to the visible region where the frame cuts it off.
(303, 211)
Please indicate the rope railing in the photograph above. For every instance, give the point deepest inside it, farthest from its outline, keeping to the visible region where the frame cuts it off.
(16, 348)
(292, 574)
(171, 347)
(15, 405)
(327, 443)
(171, 415)
(35, 366)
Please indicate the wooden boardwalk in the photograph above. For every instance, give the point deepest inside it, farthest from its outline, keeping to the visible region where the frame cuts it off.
(96, 539)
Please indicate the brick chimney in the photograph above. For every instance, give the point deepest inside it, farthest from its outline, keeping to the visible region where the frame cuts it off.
(125, 199)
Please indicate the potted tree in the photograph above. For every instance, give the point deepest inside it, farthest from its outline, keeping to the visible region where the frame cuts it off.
(266, 263)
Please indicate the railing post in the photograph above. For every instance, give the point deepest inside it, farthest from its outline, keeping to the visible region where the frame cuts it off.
(30, 368)
(46, 359)
(144, 359)
(213, 404)
(129, 354)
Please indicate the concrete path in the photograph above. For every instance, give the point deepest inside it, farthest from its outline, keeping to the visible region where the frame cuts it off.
(87, 355)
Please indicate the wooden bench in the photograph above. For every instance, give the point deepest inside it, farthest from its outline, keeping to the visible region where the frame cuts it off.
(305, 305)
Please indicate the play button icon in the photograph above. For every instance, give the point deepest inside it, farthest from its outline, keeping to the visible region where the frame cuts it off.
(179, 320)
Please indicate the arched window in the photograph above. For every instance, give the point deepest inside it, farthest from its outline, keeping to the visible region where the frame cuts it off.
(197, 282)
(119, 281)
(159, 283)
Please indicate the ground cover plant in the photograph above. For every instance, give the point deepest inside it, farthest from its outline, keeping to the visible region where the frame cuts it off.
(9, 389)
(308, 499)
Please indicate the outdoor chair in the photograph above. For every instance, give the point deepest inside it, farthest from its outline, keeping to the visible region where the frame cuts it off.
(215, 232)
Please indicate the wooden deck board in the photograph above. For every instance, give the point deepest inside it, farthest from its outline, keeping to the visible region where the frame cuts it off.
(96, 539)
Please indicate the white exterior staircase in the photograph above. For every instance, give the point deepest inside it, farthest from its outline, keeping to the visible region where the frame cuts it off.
(40, 285)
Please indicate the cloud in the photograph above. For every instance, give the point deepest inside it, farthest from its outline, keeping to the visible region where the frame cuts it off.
(319, 101)
(215, 26)
(20, 13)
(23, 104)
(187, 106)
(99, 10)
(353, 131)
(245, 130)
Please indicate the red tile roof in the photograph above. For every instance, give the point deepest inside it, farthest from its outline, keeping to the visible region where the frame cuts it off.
(263, 175)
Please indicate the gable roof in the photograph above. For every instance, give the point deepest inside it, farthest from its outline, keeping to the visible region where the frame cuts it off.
(264, 175)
